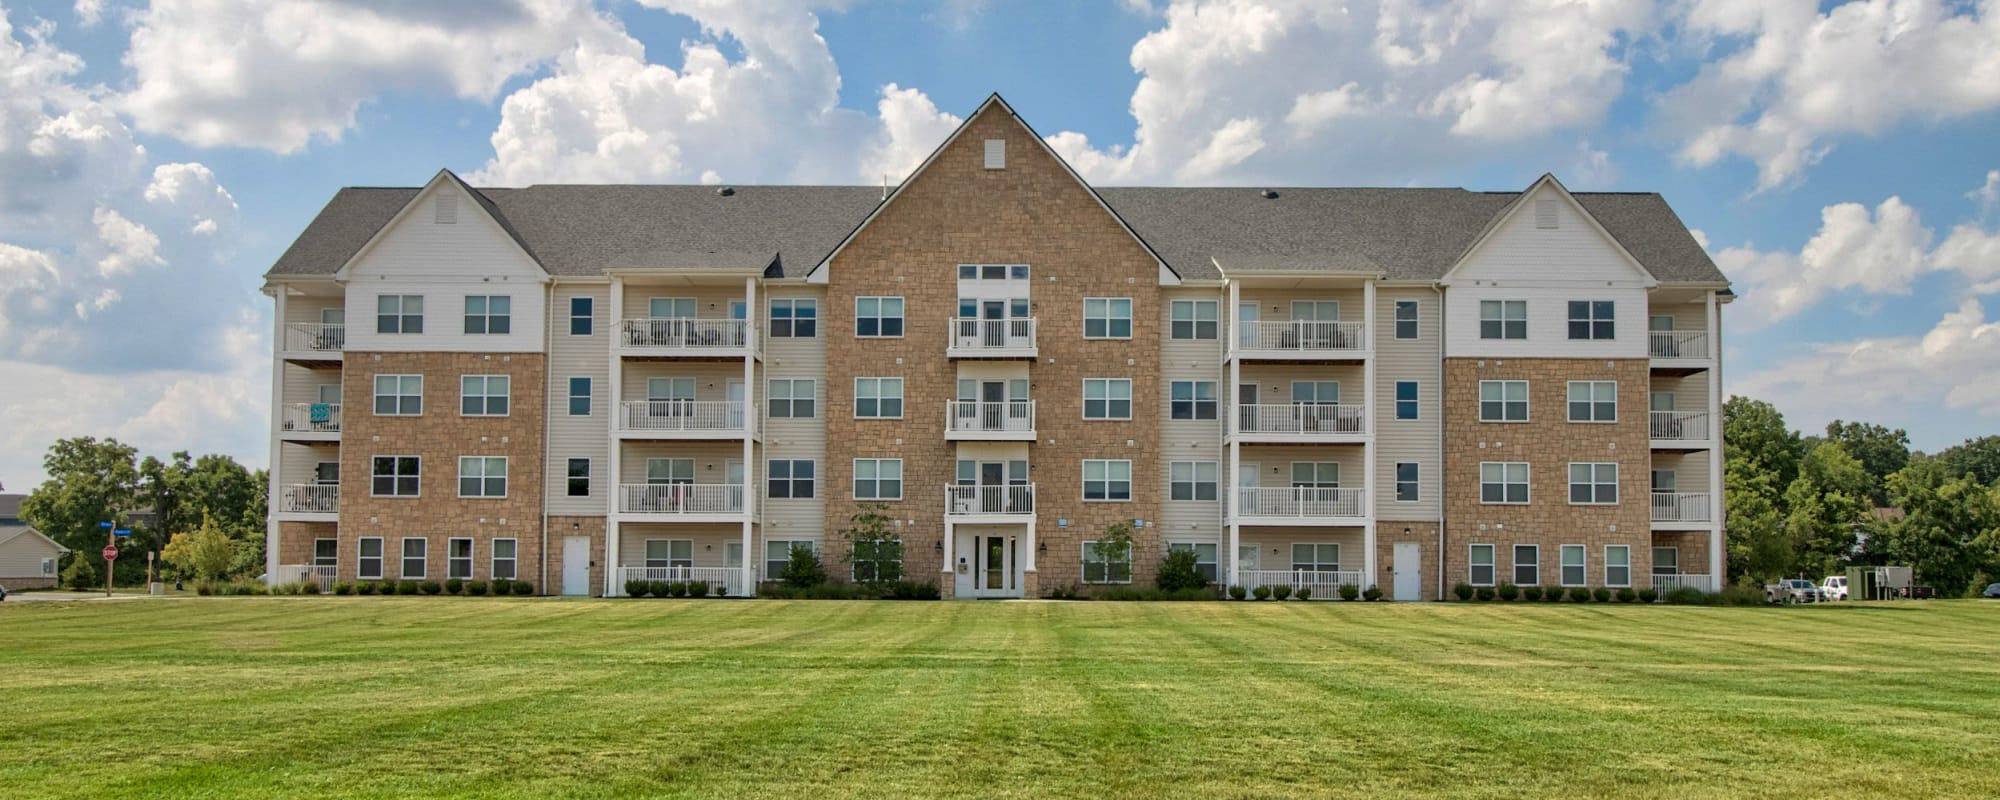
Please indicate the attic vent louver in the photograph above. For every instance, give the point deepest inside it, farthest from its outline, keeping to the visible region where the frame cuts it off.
(1268, 194)
(996, 153)
(1545, 213)
(726, 191)
(445, 209)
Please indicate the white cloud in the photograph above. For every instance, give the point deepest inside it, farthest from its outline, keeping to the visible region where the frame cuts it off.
(1988, 195)
(1883, 252)
(252, 73)
(1888, 377)
(1801, 78)
(89, 12)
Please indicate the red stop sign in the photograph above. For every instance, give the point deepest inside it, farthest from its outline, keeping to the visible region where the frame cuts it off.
(110, 553)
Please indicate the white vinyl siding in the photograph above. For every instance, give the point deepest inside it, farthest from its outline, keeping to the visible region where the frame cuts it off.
(445, 264)
(579, 436)
(1405, 440)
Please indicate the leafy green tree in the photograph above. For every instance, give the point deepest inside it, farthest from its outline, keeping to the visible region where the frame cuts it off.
(804, 570)
(874, 554)
(1950, 531)
(81, 574)
(207, 552)
(1114, 548)
(1823, 507)
(90, 481)
(1754, 431)
(1180, 570)
(1880, 450)
(1978, 457)
(1757, 545)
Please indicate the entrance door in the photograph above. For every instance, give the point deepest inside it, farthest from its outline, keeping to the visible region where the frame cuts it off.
(576, 566)
(1246, 408)
(993, 328)
(1409, 571)
(992, 405)
(989, 562)
(1246, 325)
(736, 406)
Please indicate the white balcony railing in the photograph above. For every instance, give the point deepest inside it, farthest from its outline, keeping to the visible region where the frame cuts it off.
(1677, 344)
(315, 336)
(1665, 583)
(976, 500)
(971, 416)
(731, 577)
(681, 498)
(1680, 426)
(310, 498)
(321, 575)
(685, 333)
(1302, 336)
(1300, 501)
(970, 335)
(310, 418)
(1307, 419)
(1680, 506)
(1325, 585)
(681, 415)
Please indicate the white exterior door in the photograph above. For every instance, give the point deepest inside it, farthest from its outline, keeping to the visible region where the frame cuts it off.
(1409, 571)
(576, 566)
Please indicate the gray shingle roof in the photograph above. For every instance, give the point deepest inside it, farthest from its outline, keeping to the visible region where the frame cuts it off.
(1404, 234)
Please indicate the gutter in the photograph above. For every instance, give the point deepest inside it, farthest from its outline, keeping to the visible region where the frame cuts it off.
(1443, 474)
(548, 419)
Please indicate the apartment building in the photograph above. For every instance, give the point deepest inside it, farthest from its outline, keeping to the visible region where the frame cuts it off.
(1407, 388)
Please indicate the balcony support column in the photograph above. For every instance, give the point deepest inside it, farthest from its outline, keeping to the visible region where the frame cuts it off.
(276, 477)
(1715, 463)
(1368, 407)
(750, 418)
(947, 578)
(1233, 489)
(1030, 581)
(613, 446)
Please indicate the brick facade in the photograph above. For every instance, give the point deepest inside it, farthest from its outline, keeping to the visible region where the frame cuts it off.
(561, 528)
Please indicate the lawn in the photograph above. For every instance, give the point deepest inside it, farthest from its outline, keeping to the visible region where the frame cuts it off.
(452, 697)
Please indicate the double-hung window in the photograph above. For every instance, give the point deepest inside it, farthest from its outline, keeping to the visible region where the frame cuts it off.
(1503, 401)
(582, 316)
(878, 560)
(878, 317)
(458, 559)
(792, 398)
(483, 395)
(482, 476)
(1479, 569)
(1527, 565)
(1193, 480)
(579, 397)
(1204, 556)
(326, 552)
(415, 558)
(1574, 571)
(1503, 319)
(368, 566)
(399, 313)
(1593, 401)
(1107, 480)
(1193, 319)
(1407, 490)
(1617, 565)
(577, 478)
(796, 319)
(1193, 400)
(1592, 319)
(1107, 564)
(1593, 483)
(1107, 318)
(504, 558)
(489, 313)
(878, 479)
(1504, 482)
(1406, 399)
(395, 476)
(878, 398)
(778, 555)
(1406, 319)
(399, 395)
(790, 478)
(1107, 398)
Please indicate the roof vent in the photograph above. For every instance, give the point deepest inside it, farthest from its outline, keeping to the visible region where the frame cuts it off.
(444, 209)
(1545, 213)
(726, 191)
(1268, 194)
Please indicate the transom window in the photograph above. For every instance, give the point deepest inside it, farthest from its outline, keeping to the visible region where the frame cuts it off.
(395, 476)
(1204, 556)
(878, 479)
(1406, 319)
(483, 395)
(399, 313)
(1107, 480)
(581, 311)
(482, 476)
(368, 566)
(1574, 571)
(1193, 400)
(1593, 483)
(1193, 319)
(1592, 319)
(1107, 318)
(458, 558)
(1193, 480)
(1315, 557)
(878, 398)
(399, 395)
(878, 316)
(1593, 401)
(792, 398)
(504, 555)
(579, 397)
(993, 272)
(1617, 565)
(794, 318)
(1503, 482)
(1107, 567)
(1527, 565)
(1407, 490)
(489, 313)
(1503, 319)
(1503, 401)
(1406, 399)
(669, 552)
(414, 557)
(577, 478)
(1107, 398)
(1479, 565)
(790, 478)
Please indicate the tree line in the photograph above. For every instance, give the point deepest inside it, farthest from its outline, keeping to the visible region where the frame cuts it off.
(1812, 505)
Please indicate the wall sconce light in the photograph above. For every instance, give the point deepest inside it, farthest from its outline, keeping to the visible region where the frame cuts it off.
(1043, 548)
(1406, 531)
(938, 547)
(1274, 551)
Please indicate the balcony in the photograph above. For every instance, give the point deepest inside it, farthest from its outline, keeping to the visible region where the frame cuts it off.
(1017, 501)
(1301, 339)
(687, 502)
(320, 575)
(1679, 429)
(1301, 505)
(1324, 585)
(731, 577)
(1685, 350)
(1667, 583)
(682, 419)
(309, 500)
(1301, 422)
(974, 421)
(685, 336)
(314, 340)
(310, 421)
(1680, 510)
(991, 338)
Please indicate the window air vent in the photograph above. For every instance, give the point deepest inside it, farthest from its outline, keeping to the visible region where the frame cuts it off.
(1545, 213)
(446, 209)
(996, 153)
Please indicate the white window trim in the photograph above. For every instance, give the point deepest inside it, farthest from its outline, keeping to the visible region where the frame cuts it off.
(403, 558)
(1339, 556)
(1590, 309)
(471, 556)
(1131, 319)
(1395, 403)
(1395, 323)
(1562, 550)
(1194, 481)
(419, 476)
(1492, 562)
(902, 397)
(381, 558)
(792, 399)
(374, 396)
(589, 475)
(488, 315)
(1655, 565)
(508, 479)
(1530, 483)
(1194, 320)
(1195, 402)
(570, 396)
(792, 479)
(485, 381)
(1614, 404)
(795, 301)
(1528, 405)
(1396, 480)
(1526, 332)
(1130, 404)
(1570, 486)
(854, 470)
(1607, 565)
(905, 316)
(1083, 482)
(1514, 564)
(765, 562)
(493, 558)
(572, 317)
(1083, 565)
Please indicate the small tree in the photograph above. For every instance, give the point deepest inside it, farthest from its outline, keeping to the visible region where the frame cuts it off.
(207, 552)
(1180, 571)
(80, 575)
(1113, 554)
(874, 554)
(803, 571)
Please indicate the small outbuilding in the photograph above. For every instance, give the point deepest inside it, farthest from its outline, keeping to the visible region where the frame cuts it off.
(27, 558)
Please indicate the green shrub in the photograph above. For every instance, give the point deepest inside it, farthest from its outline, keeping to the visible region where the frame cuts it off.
(454, 586)
(1552, 594)
(433, 588)
(722, 590)
(408, 587)
(1648, 595)
(1281, 591)
(1603, 594)
(80, 575)
(1486, 593)
(656, 588)
(1238, 592)
(1741, 595)
(523, 588)
(1531, 593)
(1352, 592)
(243, 587)
(389, 587)
(1304, 593)
(1179, 570)
(343, 588)
(1578, 594)
(900, 590)
(697, 588)
(804, 570)
(204, 588)
(1136, 594)
(1688, 596)
(638, 588)
(285, 588)
(1462, 590)
(1261, 592)
(503, 586)
(1626, 595)
(1508, 591)
(1372, 593)
(476, 588)
(365, 587)
(677, 589)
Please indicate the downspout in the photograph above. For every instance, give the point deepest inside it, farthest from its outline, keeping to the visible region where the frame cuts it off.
(1442, 472)
(548, 419)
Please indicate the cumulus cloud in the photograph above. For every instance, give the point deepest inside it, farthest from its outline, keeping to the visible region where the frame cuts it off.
(1889, 375)
(1882, 251)
(1798, 79)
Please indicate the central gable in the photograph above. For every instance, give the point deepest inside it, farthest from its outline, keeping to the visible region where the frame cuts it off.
(446, 232)
(1546, 238)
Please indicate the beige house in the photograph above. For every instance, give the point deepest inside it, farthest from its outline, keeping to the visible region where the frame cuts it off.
(28, 560)
(1406, 388)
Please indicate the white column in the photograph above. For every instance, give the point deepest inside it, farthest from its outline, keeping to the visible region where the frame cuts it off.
(947, 575)
(1715, 464)
(614, 447)
(752, 414)
(1230, 492)
(275, 478)
(1368, 455)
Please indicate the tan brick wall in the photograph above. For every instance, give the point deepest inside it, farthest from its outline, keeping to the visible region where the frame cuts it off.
(295, 543)
(1387, 534)
(440, 436)
(1548, 443)
(1032, 212)
(561, 528)
(1693, 546)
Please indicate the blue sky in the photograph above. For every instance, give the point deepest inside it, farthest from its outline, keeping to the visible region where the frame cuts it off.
(156, 157)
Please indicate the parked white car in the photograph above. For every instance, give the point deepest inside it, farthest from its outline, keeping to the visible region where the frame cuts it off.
(1833, 588)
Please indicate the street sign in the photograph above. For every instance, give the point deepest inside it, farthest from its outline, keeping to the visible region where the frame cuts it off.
(110, 553)
(122, 532)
